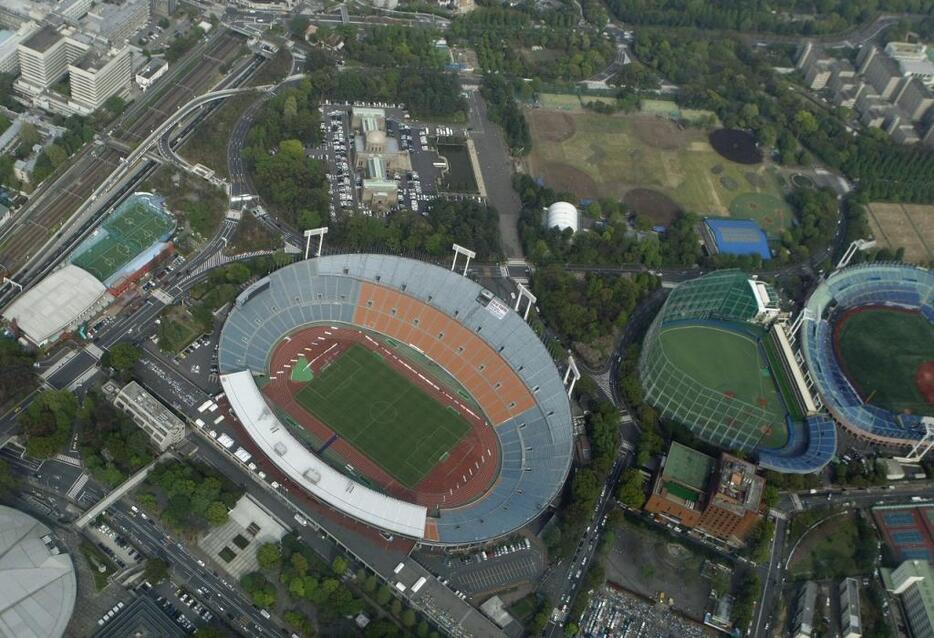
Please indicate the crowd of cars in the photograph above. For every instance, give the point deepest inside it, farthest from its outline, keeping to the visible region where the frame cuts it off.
(341, 177)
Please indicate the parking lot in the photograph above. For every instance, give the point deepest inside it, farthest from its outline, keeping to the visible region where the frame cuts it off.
(500, 567)
(612, 612)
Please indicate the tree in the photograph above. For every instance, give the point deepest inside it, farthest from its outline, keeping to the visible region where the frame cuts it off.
(383, 596)
(123, 356)
(408, 618)
(632, 488)
(216, 513)
(156, 570)
(339, 566)
(29, 135)
(269, 555)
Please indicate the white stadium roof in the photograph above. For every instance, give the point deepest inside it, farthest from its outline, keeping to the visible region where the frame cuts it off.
(56, 303)
(563, 215)
(37, 587)
(310, 472)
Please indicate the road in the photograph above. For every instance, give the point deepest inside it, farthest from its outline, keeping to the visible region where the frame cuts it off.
(497, 170)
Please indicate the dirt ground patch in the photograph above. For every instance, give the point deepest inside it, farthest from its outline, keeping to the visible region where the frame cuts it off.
(736, 145)
(647, 563)
(554, 126)
(565, 178)
(908, 226)
(658, 207)
(658, 132)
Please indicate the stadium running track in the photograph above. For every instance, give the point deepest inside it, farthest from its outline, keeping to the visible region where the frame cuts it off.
(444, 485)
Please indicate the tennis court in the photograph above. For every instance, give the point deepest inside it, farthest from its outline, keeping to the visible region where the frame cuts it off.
(383, 414)
(133, 228)
(735, 375)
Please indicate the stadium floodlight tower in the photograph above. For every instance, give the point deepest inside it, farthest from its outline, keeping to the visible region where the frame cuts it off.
(312, 232)
(572, 370)
(859, 244)
(524, 293)
(460, 250)
(922, 447)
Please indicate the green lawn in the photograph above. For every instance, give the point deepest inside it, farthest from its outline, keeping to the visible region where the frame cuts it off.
(383, 415)
(881, 351)
(730, 364)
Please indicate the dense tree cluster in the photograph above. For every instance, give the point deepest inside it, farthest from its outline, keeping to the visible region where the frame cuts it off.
(611, 241)
(47, 422)
(464, 222)
(503, 109)
(293, 185)
(112, 446)
(393, 46)
(16, 372)
(426, 92)
(189, 496)
(584, 309)
(525, 42)
(78, 131)
(804, 17)
(182, 43)
(723, 75)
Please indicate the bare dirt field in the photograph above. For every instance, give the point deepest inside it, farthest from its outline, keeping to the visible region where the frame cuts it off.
(594, 155)
(908, 226)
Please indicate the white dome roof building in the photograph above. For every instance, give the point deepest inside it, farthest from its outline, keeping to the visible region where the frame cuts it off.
(563, 215)
(37, 581)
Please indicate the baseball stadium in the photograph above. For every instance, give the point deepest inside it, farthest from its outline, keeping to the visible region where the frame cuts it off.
(400, 394)
(867, 336)
(715, 360)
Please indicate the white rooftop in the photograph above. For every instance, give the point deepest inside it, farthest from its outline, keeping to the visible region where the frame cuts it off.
(310, 472)
(56, 303)
(37, 587)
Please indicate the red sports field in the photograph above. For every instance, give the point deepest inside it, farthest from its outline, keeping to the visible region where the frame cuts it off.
(464, 474)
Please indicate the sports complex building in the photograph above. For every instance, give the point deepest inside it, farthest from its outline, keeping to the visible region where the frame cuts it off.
(400, 394)
(715, 360)
(720, 359)
(101, 268)
(867, 336)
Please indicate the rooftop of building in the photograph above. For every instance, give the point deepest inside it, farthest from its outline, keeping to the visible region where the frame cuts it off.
(95, 60)
(738, 488)
(43, 39)
(136, 394)
(151, 67)
(142, 618)
(739, 237)
(688, 466)
(914, 578)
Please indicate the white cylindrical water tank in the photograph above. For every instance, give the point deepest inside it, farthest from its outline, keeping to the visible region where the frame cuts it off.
(562, 215)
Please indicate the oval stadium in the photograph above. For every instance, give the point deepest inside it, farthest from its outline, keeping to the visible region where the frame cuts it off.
(400, 394)
(867, 336)
(717, 360)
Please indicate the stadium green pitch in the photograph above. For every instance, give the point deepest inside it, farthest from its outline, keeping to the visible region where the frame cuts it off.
(301, 371)
(881, 352)
(731, 364)
(383, 414)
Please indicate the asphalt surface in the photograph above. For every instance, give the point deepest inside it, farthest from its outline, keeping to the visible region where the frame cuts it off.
(497, 170)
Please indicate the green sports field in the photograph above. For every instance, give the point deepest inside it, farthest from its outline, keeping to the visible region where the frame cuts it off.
(734, 368)
(383, 414)
(881, 351)
(133, 228)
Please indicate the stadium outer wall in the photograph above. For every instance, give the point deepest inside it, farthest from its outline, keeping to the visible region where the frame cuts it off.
(480, 341)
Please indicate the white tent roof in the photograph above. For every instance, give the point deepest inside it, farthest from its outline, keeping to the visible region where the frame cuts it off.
(37, 587)
(56, 303)
(310, 472)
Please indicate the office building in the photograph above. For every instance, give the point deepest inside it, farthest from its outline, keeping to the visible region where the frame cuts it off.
(163, 427)
(98, 75)
(117, 23)
(913, 583)
(802, 626)
(850, 624)
(153, 70)
(44, 58)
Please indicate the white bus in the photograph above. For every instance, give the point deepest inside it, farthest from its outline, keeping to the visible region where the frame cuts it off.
(204, 406)
(418, 584)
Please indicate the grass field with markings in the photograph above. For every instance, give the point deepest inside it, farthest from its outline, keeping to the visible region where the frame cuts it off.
(383, 415)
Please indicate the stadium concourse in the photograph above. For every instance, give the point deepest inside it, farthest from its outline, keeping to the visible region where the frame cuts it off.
(485, 356)
(716, 360)
(900, 287)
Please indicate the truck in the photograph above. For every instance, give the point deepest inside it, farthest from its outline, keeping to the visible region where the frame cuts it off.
(301, 520)
(400, 587)
(199, 423)
(204, 406)
(226, 441)
(243, 455)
